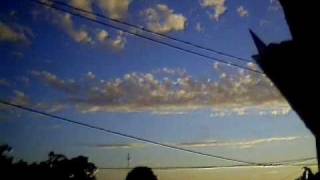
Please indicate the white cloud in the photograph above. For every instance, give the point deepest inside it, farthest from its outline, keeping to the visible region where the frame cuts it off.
(199, 27)
(82, 4)
(14, 34)
(242, 11)
(67, 24)
(52, 80)
(20, 99)
(162, 19)
(90, 75)
(218, 6)
(120, 41)
(103, 36)
(116, 9)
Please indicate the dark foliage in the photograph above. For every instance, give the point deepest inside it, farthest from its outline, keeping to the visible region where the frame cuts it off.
(57, 167)
(141, 173)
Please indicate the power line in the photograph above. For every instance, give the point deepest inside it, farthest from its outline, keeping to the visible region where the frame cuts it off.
(210, 167)
(125, 135)
(148, 38)
(150, 31)
(246, 163)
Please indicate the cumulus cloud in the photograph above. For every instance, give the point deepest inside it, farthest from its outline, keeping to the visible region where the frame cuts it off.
(68, 86)
(120, 41)
(67, 24)
(171, 91)
(82, 4)
(218, 6)
(162, 19)
(238, 144)
(242, 11)
(14, 33)
(116, 9)
(85, 5)
(20, 99)
(103, 36)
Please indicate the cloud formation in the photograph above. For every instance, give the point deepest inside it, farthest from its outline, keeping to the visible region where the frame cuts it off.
(81, 36)
(116, 9)
(166, 91)
(119, 146)
(102, 36)
(242, 11)
(238, 144)
(67, 86)
(120, 41)
(246, 144)
(162, 19)
(14, 33)
(20, 99)
(218, 6)
(82, 4)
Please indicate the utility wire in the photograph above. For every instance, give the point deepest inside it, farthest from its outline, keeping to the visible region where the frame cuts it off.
(210, 167)
(148, 38)
(126, 135)
(150, 31)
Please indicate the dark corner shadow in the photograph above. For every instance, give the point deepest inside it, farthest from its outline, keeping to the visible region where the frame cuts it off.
(292, 65)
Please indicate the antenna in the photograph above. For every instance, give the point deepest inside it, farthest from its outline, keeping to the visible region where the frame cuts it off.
(128, 159)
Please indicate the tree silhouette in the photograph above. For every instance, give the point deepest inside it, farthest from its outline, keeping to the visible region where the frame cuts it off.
(57, 167)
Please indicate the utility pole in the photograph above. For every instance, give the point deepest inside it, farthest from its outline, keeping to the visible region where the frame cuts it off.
(128, 159)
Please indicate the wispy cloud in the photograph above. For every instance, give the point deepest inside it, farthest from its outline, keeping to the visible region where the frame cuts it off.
(14, 33)
(238, 144)
(68, 86)
(207, 144)
(118, 146)
(242, 11)
(219, 7)
(162, 19)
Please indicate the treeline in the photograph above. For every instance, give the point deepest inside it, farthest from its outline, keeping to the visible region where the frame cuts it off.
(57, 167)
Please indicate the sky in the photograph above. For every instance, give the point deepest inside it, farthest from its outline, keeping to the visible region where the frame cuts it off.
(58, 63)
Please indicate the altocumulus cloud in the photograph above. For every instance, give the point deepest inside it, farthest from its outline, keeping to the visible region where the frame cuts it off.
(166, 91)
(14, 33)
(162, 19)
(219, 7)
(81, 33)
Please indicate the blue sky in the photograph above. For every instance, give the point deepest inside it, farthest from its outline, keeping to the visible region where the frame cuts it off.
(75, 68)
